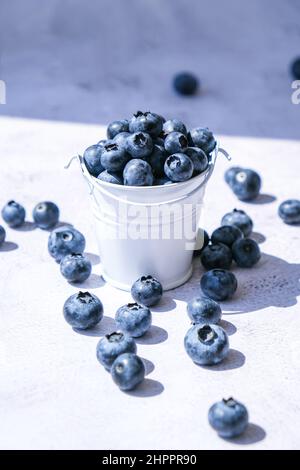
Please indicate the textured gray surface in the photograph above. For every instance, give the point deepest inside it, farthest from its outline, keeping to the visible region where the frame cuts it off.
(95, 61)
(55, 395)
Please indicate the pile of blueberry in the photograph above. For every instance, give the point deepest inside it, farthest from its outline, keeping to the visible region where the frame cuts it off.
(147, 150)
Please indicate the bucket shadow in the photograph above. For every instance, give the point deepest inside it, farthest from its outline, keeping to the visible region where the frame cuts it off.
(252, 434)
(8, 246)
(148, 388)
(106, 326)
(26, 227)
(94, 259)
(93, 282)
(155, 335)
(234, 360)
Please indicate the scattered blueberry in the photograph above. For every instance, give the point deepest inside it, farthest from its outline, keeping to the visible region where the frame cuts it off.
(75, 267)
(202, 138)
(139, 145)
(176, 142)
(65, 241)
(245, 252)
(147, 291)
(157, 160)
(138, 173)
(2, 235)
(206, 344)
(289, 211)
(240, 219)
(179, 167)
(216, 255)
(46, 215)
(218, 284)
(116, 127)
(92, 159)
(203, 310)
(174, 125)
(146, 122)
(13, 214)
(226, 234)
(245, 184)
(295, 68)
(113, 345)
(230, 173)
(128, 371)
(134, 319)
(111, 177)
(185, 83)
(83, 310)
(198, 158)
(228, 417)
(113, 157)
(201, 242)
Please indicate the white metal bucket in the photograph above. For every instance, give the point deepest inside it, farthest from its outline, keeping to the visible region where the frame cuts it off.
(133, 225)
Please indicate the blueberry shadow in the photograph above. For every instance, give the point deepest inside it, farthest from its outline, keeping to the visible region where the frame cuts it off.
(8, 246)
(26, 227)
(228, 327)
(155, 335)
(234, 360)
(94, 259)
(166, 304)
(93, 282)
(148, 388)
(149, 366)
(106, 326)
(252, 434)
(263, 199)
(59, 225)
(258, 237)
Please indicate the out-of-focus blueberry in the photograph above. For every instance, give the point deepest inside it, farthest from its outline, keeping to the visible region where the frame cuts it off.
(289, 211)
(226, 234)
(185, 83)
(13, 214)
(46, 215)
(240, 219)
(65, 240)
(245, 184)
(2, 235)
(245, 252)
(216, 255)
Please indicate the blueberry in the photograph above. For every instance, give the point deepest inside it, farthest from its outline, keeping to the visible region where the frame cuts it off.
(206, 344)
(111, 177)
(198, 158)
(116, 127)
(161, 181)
(295, 68)
(159, 141)
(46, 214)
(113, 345)
(128, 371)
(185, 83)
(245, 184)
(113, 157)
(203, 310)
(218, 284)
(226, 234)
(176, 142)
(139, 145)
(147, 291)
(64, 241)
(83, 310)
(228, 417)
(174, 125)
(245, 252)
(230, 173)
(121, 139)
(240, 219)
(157, 160)
(289, 211)
(13, 214)
(134, 319)
(92, 159)
(216, 255)
(201, 242)
(203, 138)
(101, 143)
(2, 235)
(179, 167)
(75, 267)
(147, 122)
(138, 173)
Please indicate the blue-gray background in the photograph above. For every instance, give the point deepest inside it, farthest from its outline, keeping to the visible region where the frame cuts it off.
(94, 61)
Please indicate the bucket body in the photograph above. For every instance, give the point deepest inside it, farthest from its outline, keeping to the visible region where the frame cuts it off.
(147, 230)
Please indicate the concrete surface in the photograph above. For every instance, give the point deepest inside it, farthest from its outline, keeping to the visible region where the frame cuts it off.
(54, 394)
(94, 61)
